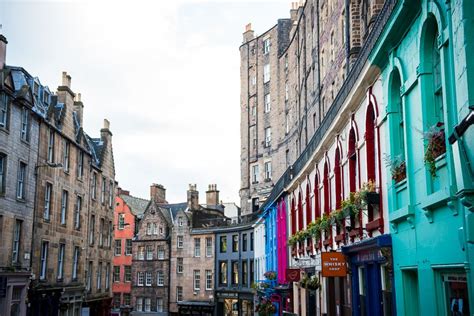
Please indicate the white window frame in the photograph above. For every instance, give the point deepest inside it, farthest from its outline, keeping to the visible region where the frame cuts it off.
(25, 124)
(44, 259)
(64, 205)
(51, 137)
(149, 252)
(208, 280)
(197, 280)
(61, 250)
(209, 247)
(75, 263)
(139, 305)
(103, 190)
(266, 46)
(94, 186)
(140, 278)
(141, 253)
(148, 278)
(268, 170)
(77, 213)
(4, 110)
(266, 73)
(179, 242)
(147, 304)
(161, 253)
(20, 192)
(267, 103)
(119, 248)
(197, 247)
(16, 242)
(80, 164)
(160, 278)
(99, 276)
(255, 174)
(66, 153)
(128, 248)
(47, 201)
(179, 294)
(268, 136)
(159, 305)
(121, 221)
(127, 273)
(179, 265)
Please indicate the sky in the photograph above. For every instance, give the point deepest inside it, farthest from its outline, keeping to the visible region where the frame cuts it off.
(166, 74)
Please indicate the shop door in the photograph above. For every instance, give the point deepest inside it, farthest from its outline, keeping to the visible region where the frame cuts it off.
(456, 295)
(374, 290)
(331, 297)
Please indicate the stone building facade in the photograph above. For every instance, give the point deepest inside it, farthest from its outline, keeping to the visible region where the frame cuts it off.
(151, 258)
(128, 211)
(290, 75)
(72, 167)
(19, 128)
(192, 252)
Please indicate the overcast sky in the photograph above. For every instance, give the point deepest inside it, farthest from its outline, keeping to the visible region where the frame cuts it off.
(165, 73)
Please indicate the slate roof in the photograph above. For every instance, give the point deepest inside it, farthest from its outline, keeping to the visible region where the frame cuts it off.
(171, 210)
(137, 205)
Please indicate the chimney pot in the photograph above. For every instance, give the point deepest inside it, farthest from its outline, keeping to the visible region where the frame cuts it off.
(158, 193)
(193, 197)
(3, 51)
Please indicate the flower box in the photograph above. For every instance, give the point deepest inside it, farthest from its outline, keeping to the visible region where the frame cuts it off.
(339, 237)
(372, 198)
(374, 225)
(354, 233)
(327, 242)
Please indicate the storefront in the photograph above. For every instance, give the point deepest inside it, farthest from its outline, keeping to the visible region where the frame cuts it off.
(235, 303)
(371, 270)
(196, 308)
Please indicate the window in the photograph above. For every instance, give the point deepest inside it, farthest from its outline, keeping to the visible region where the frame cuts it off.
(107, 276)
(266, 73)
(127, 299)
(197, 280)
(148, 278)
(208, 246)
(94, 186)
(287, 157)
(148, 229)
(180, 242)
(116, 276)
(139, 305)
(161, 230)
(141, 278)
(92, 230)
(149, 252)
(155, 229)
(268, 136)
(89, 277)
(179, 265)
(223, 244)
(251, 241)
(118, 247)
(4, 110)
(267, 103)
(160, 278)
(44, 260)
(180, 221)
(179, 293)
(3, 173)
(80, 163)
(223, 273)
(197, 247)
(45, 97)
(287, 123)
(47, 201)
(99, 276)
(61, 261)
(128, 247)
(147, 304)
(121, 221)
(235, 272)
(20, 188)
(102, 192)
(77, 213)
(16, 242)
(235, 243)
(66, 149)
(266, 46)
(101, 232)
(244, 242)
(251, 271)
(254, 80)
(208, 279)
(111, 193)
(161, 253)
(287, 91)
(141, 253)
(245, 273)
(75, 263)
(268, 170)
(128, 273)
(159, 305)
(25, 124)
(255, 174)
(117, 300)
(64, 203)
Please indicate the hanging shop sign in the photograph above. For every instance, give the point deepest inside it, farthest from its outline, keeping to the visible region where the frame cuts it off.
(333, 264)
(293, 275)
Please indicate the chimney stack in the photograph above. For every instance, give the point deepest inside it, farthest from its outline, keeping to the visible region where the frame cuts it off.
(3, 51)
(294, 11)
(121, 191)
(79, 108)
(158, 193)
(66, 82)
(212, 195)
(248, 34)
(105, 133)
(193, 197)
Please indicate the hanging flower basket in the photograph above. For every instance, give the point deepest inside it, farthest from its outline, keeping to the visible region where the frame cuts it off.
(265, 308)
(270, 275)
(310, 283)
(397, 167)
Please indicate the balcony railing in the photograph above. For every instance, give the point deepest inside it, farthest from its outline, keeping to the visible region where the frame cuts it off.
(336, 105)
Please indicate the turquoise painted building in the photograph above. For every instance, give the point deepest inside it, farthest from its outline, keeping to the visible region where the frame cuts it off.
(426, 58)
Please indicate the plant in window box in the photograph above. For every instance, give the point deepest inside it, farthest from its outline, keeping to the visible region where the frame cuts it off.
(436, 146)
(314, 229)
(351, 206)
(270, 275)
(337, 216)
(397, 167)
(325, 223)
(368, 193)
(310, 283)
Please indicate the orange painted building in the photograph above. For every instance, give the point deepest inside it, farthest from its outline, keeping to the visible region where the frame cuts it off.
(128, 211)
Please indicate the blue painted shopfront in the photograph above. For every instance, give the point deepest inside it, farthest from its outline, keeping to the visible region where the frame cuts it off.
(271, 239)
(371, 272)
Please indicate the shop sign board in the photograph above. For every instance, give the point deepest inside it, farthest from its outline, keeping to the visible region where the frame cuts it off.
(333, 264)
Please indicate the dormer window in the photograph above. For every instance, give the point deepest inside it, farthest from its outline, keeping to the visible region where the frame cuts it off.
(180, 221)
(36, 90)
(45, 97)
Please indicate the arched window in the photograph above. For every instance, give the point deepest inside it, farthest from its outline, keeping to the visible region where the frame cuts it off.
(293, 216)
(398, 141)
(317, 202)
(370, 151)
(300, 212)
(338, 183)
(309, 216)
(327, 202)
(352, 155)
